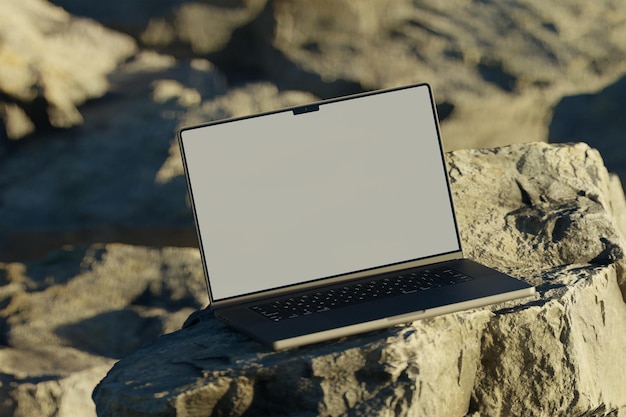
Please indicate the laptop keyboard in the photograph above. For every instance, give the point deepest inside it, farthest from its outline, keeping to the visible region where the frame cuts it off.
(405, 282)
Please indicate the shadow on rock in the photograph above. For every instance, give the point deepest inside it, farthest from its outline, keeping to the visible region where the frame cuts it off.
(597, 119)
(113, 334)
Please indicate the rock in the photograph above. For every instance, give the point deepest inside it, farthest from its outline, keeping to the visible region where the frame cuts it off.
(498, 71)
(107, 285)
(541, 212)
(61, 395)
(66, 318)
(202, 28)
(595, 118)
(180, 27)
(51, 63)
(543, 197)
(559, 356)
(508, 65)
(128, 16)
(229, 375)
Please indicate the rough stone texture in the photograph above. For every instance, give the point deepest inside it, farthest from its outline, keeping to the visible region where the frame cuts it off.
(390, 372)
(541, 212)
(500, 74)
(65, 318)
(51, 62)
(499, 67)
(543, 195)
(559, 356)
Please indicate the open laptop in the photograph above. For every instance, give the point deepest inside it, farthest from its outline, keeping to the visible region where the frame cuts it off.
(331, 219)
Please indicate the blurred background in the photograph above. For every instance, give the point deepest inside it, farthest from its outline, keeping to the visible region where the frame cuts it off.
(98, 253)
(91, 93)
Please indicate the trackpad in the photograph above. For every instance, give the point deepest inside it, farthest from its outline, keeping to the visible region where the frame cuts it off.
(374, 310)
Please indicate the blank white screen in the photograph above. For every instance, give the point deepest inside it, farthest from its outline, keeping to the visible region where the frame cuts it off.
(283, 199)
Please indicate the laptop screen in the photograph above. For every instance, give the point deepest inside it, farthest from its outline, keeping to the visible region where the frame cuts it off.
(294, 196)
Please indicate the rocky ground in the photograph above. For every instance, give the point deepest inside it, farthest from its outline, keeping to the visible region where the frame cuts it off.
(97, 246)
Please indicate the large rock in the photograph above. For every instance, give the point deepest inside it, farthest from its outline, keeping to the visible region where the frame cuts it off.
(499, 68)
(552, 204)
(51, 63)
(66, 318)
(541, 212)
(495, 83)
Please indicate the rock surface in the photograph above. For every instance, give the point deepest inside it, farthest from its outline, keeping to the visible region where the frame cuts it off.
(499, 68)
(67, 317)
(51, 63)
(501, 74)
(544, 213)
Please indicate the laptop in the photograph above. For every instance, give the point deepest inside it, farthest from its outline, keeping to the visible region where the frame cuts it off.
(331, 219)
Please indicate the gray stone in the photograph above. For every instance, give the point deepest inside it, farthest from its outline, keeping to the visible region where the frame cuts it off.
(107, 285)
(130, 16)
(204, 28)
(559, 356)
(49, 381)
(541, 196)
(499, 69)
(541, 212)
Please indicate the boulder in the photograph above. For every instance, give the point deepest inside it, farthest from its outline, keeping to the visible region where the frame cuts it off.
(547, 214)
(498, 70)
(67, 317)
(51, 63)
(89, 215)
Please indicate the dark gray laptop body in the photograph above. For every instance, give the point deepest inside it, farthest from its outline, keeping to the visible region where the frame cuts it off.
(330, 196)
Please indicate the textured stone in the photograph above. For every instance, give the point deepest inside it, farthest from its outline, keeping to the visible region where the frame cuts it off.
(498, 69)
(552, 204)
(561, 355)
(51, 63)
(64, 319)
(400, 370)
(107, 285)
(541, 212)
